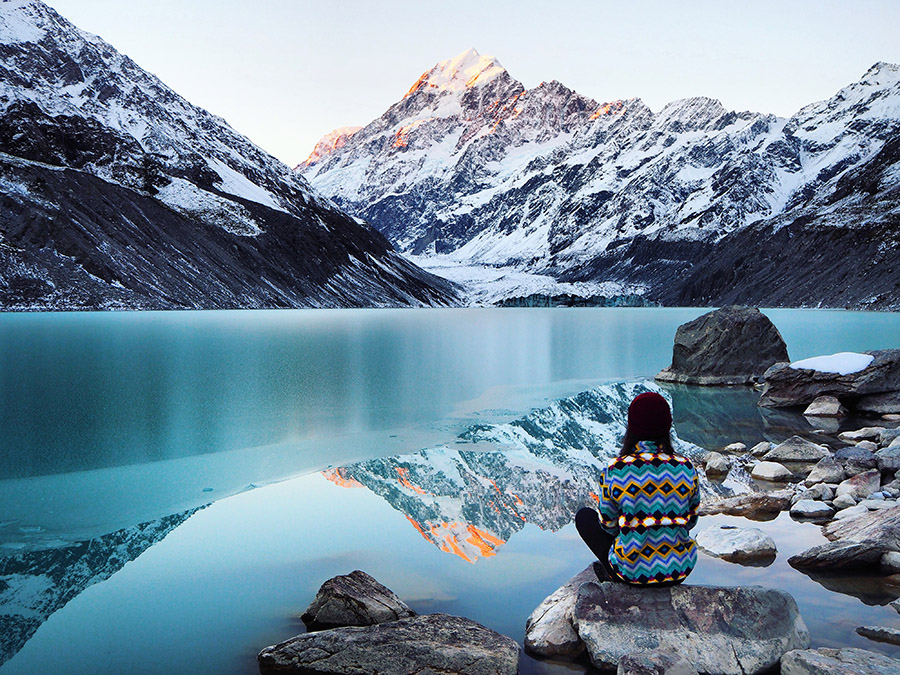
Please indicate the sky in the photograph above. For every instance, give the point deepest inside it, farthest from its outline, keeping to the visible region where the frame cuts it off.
(285, 72)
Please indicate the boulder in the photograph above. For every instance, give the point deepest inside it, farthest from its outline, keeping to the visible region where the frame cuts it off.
(887, 436)
(827, 470)
(754, 506)
(737, 544)
(761, 448)
(771, 471)
(881, 634)
(846, 661)
(354, 599)
(732, 345)
(819, 491)
(808, 508)
(786, 386)
(549, 631)
(855, 460)
(735, 448)
(825, 406)
(888, 459)
(724, 630)
(797, 449)
(871, 446)
(879, 404)
(717, 464)
(437, 643)
(840, 556)
(861, 485)
(872, 526)
(843, 502)
(655, 662)
(866, 433)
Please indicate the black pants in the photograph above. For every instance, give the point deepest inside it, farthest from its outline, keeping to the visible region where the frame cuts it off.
(587, 522)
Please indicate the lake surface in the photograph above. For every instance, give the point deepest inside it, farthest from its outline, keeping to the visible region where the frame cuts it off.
(174, 487)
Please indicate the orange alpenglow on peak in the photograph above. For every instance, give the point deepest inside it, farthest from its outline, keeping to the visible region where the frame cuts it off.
(333, 140)
(463, 71)
(338, 477)
(460, 539)
(611, 108)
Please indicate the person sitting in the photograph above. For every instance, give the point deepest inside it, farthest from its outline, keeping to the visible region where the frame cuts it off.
(648, 501)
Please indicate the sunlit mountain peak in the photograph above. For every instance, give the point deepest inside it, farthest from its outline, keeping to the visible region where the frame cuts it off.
(465, 70)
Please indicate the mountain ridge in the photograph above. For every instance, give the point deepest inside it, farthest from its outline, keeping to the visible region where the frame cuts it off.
(513, 191)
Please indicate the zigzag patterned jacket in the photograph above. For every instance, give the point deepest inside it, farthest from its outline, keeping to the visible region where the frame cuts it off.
(648, 502)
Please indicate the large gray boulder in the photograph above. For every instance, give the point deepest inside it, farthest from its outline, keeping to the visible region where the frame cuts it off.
(847, 661)
(354, 599)
(881, 525)
(754, 506)
(732, 345)
(796, 449)
(719, 630)
(786, 386)
(432, 643)
(550, 630)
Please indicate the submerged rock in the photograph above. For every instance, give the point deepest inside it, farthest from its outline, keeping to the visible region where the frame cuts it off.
(847, 661)
(737, 544)
(355, 599)
(437, 643)
(732, 345)
(787, 386)
(718, 629)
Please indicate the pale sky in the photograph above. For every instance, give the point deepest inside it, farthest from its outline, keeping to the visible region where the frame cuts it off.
(285, 72)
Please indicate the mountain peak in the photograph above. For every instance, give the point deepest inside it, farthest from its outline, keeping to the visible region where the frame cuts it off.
(465, 70)
(333, 140)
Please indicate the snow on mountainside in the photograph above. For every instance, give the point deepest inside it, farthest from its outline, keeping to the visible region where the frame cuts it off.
(117, 192)
(548, 182)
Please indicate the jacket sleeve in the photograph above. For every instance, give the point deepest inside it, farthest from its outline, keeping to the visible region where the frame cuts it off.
(694, 501)
(609, 510)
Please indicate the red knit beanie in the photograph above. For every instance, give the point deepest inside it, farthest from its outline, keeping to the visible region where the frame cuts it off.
(649, 415)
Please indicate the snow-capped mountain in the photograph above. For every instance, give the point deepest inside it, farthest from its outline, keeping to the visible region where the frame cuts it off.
(548, 463)
(117, 192)
(469, 168)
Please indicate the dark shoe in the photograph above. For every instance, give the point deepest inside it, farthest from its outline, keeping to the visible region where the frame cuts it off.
(600, 572)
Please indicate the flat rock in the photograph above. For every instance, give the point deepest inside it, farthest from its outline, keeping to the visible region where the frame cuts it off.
(549, 630)
(771, 471)
(739, 630)
(861, 485)
(354, 599)
(825, 406)
(839, 556)
(736, 544)
(431, 643)
(655, 662)
(732, 345)
(866, 433)
(881, 634)
(786, 386)
(796, 449)
(808, 508)
(847, 661)
(851, 512)
(755, 506)
(871, 526)
(827, 470)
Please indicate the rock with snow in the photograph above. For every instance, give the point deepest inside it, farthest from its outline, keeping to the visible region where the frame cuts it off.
(861, 485)
(737, 544)
(655, 662)
(437, 643)
(771, 471)
(853, 375)
(797, 449)
(732, 345)
(808, 508)
(354, 599)
(825, 406)
(827, 470)
(846, 661)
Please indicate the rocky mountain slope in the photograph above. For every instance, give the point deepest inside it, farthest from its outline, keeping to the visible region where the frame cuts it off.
(115, 192)
(691, 205)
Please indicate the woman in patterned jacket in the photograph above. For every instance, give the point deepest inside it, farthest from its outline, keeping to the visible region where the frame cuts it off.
(648, 502)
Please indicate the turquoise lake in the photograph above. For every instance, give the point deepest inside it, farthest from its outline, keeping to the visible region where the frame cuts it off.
(175, 486)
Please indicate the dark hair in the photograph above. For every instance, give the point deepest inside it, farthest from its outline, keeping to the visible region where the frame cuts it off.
(630, 441)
